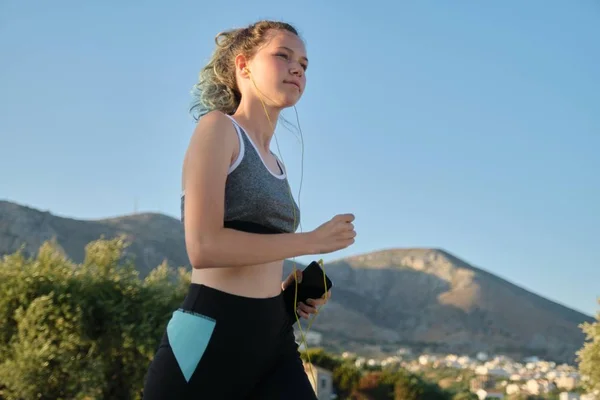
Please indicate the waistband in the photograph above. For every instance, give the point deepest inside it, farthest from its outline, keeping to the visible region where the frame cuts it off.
(223, 306)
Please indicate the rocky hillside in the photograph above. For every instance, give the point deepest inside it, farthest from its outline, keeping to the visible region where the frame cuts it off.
(432, 299)
(417, 297)
(153, 237)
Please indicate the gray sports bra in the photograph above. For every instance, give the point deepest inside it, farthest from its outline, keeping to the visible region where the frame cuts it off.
(256, 199)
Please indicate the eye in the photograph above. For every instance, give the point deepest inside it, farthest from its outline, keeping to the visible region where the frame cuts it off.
(282, 55)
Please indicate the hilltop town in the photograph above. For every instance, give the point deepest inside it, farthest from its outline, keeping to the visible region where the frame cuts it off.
(487, 376)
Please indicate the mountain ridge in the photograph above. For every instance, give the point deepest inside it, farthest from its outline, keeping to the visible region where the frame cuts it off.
(463, 264)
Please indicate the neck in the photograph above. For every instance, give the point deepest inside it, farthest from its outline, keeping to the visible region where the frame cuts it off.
(251, 114)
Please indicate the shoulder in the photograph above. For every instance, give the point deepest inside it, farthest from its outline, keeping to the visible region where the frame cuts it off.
(214, 130)
(215, 124)
(215, 117)
(214, 143)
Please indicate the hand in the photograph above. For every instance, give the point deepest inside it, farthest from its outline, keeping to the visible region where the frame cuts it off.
(304, 310)
(335, 234)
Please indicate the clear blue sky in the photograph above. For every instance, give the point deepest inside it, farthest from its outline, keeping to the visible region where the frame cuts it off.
(471, 126)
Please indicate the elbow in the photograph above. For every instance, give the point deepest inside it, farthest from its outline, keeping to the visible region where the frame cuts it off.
(201, 253)
(198, 261)
(200, 258)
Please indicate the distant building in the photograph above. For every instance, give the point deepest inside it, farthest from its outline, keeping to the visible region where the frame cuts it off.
(321, 380)
(566, 382)
(516, 377)
(576, 396)
(404, 351)
(482, 382)
(313, 339)
(485, 395)
(496, 372)
(533, 359)
(569, 396)
(537, 387)
(425, 359)
(512, 388)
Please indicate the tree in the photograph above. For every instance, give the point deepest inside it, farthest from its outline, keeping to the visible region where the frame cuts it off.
(345, 379)
(47, 348)
(465, 396)
(589, 355)
(412, 387)
(320, 358)
(81, 331)
(376, 385)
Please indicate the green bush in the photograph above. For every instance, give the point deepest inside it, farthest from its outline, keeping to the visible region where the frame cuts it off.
(81, 331)
(589, 355)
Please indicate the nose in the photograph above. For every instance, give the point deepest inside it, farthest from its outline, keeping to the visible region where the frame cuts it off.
(296, 70)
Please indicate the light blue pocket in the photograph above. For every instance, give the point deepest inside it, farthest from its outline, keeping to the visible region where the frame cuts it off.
(189, 335)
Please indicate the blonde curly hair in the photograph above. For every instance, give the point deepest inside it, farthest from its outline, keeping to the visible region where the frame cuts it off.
(217, 87)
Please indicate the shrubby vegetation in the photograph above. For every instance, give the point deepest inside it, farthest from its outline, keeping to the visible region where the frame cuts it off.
(589, 355)
(81, 331)
(89, 330)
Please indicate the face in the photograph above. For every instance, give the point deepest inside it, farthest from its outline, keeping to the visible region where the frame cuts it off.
(278, 69)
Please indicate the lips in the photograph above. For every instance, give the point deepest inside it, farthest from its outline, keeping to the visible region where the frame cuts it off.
(293, 83)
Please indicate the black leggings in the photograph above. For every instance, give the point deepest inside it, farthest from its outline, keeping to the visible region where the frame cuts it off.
(223, 346)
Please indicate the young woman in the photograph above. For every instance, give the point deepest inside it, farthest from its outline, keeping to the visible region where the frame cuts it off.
(232, 338)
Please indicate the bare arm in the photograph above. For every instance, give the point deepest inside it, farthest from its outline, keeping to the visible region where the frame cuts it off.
(208, 243)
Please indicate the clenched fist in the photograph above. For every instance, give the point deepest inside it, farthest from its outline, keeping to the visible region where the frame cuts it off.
(335, 234)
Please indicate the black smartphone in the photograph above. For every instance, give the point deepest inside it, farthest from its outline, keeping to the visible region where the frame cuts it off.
(314, 281)
(312, 287)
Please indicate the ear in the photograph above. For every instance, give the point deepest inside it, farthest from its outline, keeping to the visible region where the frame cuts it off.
(241, 66)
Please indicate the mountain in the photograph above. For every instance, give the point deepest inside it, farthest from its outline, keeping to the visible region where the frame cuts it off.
(153, 237)
(431, 299)
(423, 298)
